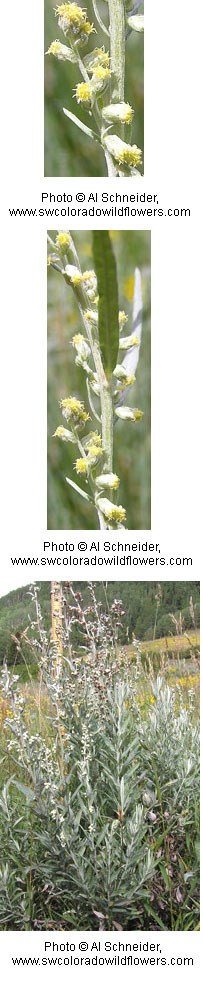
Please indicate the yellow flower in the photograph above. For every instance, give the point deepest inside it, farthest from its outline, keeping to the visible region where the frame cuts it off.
(94, 453)
(93, 438)
(122, 152)
(122, 317)
(74, 409)
(129, 380)
(83, 92)
(64, 434)
(115, 513)
(128, 341)
(76, 278)
(61, 51)
(81, 346)
(63, 241)
(101, 72)
(72, 18)
(97, 57)
(81, 466)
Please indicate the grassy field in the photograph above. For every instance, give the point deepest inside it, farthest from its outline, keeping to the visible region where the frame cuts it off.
(172, 644)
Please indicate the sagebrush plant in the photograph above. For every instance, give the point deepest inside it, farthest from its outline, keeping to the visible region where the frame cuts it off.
(109, 359)
(100, 811)
(102, 89)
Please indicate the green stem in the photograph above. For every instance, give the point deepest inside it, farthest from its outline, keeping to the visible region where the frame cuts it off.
(117, 48)
(117, 62)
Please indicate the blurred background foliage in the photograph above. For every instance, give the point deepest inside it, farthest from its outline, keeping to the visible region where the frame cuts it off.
(68, 151)
(66, 510)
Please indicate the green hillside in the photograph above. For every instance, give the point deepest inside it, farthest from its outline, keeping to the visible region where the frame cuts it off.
(147, 608)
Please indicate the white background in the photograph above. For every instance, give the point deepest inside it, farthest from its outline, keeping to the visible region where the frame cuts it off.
(173, 163)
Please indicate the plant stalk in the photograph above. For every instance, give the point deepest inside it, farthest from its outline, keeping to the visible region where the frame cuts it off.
(117, 48)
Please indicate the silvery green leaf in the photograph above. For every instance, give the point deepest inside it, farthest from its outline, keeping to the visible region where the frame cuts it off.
(27, 792)
(78, 122)
(77, 489)
(136, 23)
(131, 358)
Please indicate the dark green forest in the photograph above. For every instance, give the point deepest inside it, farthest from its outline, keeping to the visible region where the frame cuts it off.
(139, 601)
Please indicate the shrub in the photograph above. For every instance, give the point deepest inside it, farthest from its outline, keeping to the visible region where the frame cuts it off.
(100, 811)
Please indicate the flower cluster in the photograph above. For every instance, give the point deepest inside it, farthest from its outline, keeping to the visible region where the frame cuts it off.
(123, 153)
(99, 78)
(94, 460)
(73, 21)
(73, 411)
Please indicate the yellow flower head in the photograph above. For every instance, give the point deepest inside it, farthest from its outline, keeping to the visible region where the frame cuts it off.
(81, 466)
(122, 152)
(54, 48)
(60, 51)
(129, 380)
(115, 513)
(76, 278)
(83, 92)
(93, 438)
(122, 317)
(128, 341)
(74, 410)
(72, 19)
(97, 57)
(64, 434)
(94, 453)
(101, 73)
(63, 242)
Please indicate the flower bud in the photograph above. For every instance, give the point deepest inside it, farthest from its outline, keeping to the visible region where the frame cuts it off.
(115, 513)
(65, 435)
(110, 481)
(63, 242)
(136, 22)
(61, 51)
(128, 341)
(91, 316)
(118, 113)
(128, 413)
(122, 318)
(146, 799)
(120, 373)
(73, 274)
(96, 58)
(73, 409)
(72, 20)
(81, 346)
(122, 152)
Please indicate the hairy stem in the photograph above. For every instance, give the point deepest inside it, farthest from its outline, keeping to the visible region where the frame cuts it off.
(117, 48)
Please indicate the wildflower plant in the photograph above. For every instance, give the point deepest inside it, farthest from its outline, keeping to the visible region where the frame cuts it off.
(99, 816)
(108, 356)
(101, 91)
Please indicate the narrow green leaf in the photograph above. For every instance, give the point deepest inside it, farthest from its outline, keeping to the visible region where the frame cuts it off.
(105, 266)
(82, 126)
(27, 792)
(77, 489)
